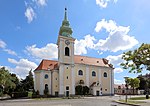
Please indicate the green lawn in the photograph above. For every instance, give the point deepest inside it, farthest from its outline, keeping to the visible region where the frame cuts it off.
(48, 98)
(138, 98)
(30, 94)
(132, 102)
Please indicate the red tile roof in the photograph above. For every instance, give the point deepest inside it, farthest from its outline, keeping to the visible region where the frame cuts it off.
(47, 65)
(91, 61)
(51, 64)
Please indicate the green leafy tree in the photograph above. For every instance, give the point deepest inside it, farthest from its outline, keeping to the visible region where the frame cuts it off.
(138, 59)
(7, 81)
(85, 90)
(78, 89)
(142, 84)
(28, 82)
(133, 82)
(82, 90)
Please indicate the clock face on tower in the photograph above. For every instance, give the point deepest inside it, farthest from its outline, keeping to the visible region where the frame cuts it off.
(67, 42)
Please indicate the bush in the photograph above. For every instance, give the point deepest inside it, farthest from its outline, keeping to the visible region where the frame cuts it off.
(82, 90)
(46, 91)
(37, 92)
(78, 90)
(1, 92)
(147, 96)
(20, 94)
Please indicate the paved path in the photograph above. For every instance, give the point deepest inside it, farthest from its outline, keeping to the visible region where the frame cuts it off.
(87, 101)
(63, 102)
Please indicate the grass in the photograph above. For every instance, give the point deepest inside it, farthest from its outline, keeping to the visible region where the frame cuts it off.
(30, 94)
(138, 98)
(48, 98)
(132, 102)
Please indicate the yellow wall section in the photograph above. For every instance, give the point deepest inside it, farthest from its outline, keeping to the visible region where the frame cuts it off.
(80, 77)
(55, 79)
(106, 81)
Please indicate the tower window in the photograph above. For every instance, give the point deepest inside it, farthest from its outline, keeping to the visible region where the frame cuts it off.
(66, 51)
(80, 72)
(105, 74)
(67, 87)
(93, 73)
(46, 76)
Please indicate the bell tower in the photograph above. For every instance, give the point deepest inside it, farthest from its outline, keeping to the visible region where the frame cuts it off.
(65, 44)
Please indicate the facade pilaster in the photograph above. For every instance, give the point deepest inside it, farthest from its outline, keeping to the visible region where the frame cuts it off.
(73, 80)
(50, 84)
(61, 80)
(41, 82)
(87, 76)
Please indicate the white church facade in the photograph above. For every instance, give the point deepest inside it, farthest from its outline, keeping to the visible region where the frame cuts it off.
(62, 76)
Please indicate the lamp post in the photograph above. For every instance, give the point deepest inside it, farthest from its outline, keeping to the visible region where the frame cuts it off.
(126, 85)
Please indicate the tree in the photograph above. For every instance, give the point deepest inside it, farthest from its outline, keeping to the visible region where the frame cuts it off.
(82, 90)
(28, 82)
(85, 90)
(133, 82)
(138, 59)
(7, 81)
(142, 84)
(78, 89)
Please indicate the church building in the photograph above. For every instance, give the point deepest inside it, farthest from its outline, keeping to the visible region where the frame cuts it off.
(61, 77)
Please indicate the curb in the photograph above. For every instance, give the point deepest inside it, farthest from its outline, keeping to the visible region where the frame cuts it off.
(126, 103)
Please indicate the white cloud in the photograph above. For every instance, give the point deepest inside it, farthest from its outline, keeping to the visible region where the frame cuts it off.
(116, 81)
(50, 51)
(118, 38)
(82, 45)
(2, 44)
(41, 2)
(10, 52)
(30, 14)
(108, 25)
(22, 67)
(115, 60)
(100, 53)
(118, 70)
(104, 3)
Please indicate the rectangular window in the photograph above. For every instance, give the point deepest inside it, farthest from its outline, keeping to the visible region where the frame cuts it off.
(56, 93)
(67, 87)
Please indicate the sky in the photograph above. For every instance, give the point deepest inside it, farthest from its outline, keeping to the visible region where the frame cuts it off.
(102, 29)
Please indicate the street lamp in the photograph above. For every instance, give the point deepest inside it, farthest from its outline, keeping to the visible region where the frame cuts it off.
(126, 85)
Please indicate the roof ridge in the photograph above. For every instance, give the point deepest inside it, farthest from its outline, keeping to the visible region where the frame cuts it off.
(49, 60)
(88, 57)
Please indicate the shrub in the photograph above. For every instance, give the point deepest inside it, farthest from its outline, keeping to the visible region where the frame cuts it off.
(37, 92)
(46, 91)
(147, 96)
(79, 90)
(20, 94)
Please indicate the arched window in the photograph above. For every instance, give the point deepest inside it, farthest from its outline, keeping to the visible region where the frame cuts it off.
(93, 73)
(46, 86)
(46, 76)
(80, 72)
(66, 51)
(105, 74)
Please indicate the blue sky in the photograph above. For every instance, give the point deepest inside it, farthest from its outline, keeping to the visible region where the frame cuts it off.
(102, 28)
